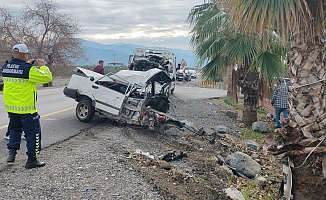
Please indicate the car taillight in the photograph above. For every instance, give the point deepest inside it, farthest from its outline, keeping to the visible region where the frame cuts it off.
(161, 118)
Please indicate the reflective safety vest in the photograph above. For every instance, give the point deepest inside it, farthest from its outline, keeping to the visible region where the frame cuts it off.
(20, 89)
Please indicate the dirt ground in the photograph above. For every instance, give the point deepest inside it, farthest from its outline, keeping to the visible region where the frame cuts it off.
(197, 175)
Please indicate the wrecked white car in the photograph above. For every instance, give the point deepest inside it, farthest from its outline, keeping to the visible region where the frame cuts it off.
(132, 97)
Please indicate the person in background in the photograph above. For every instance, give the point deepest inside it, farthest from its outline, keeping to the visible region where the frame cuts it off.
(99, 68)
(20, 79)
(280, 101)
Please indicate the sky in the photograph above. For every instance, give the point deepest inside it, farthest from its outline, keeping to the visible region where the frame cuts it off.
(158, 23)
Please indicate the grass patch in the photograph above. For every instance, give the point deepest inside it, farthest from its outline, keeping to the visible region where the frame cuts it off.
(249, 134)
(251, 190)
(230, 102)
(199, 180)
(262, 112)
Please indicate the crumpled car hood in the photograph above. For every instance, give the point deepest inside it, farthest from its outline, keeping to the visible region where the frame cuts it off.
(141, 77)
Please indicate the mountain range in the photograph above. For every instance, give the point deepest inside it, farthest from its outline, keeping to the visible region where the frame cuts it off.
(120, 52)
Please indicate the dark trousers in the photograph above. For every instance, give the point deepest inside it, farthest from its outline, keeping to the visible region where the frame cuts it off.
(30, 123)
(8, 129)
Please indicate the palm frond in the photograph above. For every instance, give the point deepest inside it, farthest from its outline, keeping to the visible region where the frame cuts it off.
(241, 48)
(214, 68)
(303, 18)
(208, 25)
(209, 49)
(270, 66)
(197, 11)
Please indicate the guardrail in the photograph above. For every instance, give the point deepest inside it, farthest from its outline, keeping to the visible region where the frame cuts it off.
(210, 84)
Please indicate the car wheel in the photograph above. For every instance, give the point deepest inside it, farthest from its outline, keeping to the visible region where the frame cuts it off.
(85, 111)
(167, 91)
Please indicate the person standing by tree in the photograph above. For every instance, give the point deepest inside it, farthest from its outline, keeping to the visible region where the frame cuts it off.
(20, 97)
(280, 101)
(99, 68)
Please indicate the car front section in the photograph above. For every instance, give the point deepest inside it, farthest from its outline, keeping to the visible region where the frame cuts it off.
(131, 97)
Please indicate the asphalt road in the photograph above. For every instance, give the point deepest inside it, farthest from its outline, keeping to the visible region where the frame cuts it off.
(58, 120)
(188, 92)
(191, 90)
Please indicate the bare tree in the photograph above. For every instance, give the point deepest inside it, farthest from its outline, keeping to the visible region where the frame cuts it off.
(49, 34)
(8, 27)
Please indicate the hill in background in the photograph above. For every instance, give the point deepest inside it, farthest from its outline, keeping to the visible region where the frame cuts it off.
(120, 53)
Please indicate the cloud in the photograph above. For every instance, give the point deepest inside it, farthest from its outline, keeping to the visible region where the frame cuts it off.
(145, 22)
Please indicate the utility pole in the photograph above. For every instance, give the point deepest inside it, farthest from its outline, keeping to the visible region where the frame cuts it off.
(114, 57)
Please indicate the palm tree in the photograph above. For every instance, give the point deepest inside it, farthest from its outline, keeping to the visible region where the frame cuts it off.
(220, 45)
(302, 22)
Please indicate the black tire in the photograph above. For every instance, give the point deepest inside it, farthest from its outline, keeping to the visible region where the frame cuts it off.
(85, 111)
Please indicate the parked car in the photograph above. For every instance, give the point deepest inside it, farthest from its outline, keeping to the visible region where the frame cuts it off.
(132, 97)
(193, 73)
(179, 76)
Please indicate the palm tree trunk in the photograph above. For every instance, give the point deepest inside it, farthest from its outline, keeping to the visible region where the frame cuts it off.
(249, 111)
(249, 105)
(248, 82)
(229, 80)
(232, 87)
(307, 120)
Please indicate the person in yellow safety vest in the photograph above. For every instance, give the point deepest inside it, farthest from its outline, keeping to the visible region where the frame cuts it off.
(20, 77)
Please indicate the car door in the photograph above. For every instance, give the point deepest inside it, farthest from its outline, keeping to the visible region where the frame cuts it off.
(107, 99)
